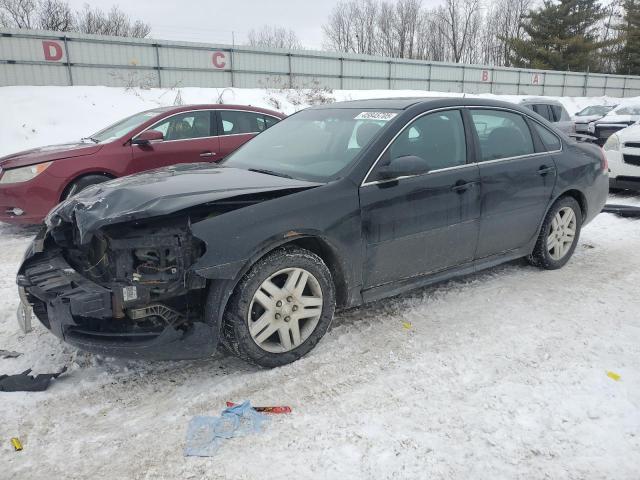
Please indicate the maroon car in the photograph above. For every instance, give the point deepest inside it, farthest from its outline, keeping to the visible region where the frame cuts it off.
(34, 181)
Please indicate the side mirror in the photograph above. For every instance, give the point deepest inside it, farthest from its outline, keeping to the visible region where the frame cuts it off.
(148, 136)
(404, 167)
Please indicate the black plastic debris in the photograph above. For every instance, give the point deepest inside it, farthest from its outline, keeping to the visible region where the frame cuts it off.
(23, 382)
(9, 354)
(622, 210)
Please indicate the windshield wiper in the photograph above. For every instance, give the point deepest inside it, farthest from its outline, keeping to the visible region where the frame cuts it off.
(270, 172)
(90, 138)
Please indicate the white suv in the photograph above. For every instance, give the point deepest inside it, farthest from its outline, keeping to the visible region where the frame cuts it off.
(623, 153)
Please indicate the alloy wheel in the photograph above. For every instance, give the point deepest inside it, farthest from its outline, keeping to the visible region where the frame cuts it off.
(285, 310)
(562, 233)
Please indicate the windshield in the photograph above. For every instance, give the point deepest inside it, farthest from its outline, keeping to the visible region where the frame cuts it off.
(595, 110)
(628, 110)
(313, 145)
(123, 127)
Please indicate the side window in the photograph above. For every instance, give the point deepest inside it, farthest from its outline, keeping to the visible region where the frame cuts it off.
(501, 134)
(185, 125)
(235, 122)
(270, 121)
(557, 111)
(438, 138)
(550, 140)
(543, 111)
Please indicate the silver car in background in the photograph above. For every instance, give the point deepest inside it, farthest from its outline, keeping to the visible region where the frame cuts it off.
(584, 117)
(551, 110)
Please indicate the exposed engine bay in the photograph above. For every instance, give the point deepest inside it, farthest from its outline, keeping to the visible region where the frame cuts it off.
(130, 281)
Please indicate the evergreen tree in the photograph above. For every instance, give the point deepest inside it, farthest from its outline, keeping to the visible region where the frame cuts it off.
(561, 35)
(629, 56)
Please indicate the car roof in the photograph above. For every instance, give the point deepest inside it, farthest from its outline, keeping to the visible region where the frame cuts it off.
(216, 106)
(408, 102)
(543, 100)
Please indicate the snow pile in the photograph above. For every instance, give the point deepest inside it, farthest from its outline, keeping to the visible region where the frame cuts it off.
(37, 116)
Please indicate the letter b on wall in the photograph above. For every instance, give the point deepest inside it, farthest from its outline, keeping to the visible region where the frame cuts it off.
(52, 51)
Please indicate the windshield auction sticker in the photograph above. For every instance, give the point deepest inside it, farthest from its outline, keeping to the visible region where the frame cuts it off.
(384, 116)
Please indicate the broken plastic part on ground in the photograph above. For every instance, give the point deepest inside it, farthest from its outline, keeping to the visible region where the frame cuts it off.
(23, 382)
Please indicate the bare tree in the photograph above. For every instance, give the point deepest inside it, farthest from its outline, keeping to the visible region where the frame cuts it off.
(19, 13)
(55, 15)
(352, 27)
(460, 24)
(275, 37)
(115, 23)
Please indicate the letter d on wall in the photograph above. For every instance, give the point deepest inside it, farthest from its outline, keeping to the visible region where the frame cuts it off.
(52, 51)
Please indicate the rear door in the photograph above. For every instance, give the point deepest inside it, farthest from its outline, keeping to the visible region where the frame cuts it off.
(517, 178)
(188, 137)
(239, 126)
(426, 223)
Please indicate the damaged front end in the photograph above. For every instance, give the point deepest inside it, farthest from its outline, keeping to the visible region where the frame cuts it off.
(118, 269)
(127, 290)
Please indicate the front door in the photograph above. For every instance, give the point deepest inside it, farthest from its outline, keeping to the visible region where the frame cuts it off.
(188, 137)
(426, 223)
(517, 180)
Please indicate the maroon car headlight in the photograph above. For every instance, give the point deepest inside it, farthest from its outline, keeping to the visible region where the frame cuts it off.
(23, 174)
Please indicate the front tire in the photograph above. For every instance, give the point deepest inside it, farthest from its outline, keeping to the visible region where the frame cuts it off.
(558, 236)
(280, 309)
(80, 184)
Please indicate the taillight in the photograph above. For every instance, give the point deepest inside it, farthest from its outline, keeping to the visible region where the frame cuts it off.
(604, 163)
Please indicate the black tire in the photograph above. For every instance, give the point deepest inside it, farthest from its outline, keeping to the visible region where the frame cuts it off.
(81, 183)
(235, 333)
(541, 257)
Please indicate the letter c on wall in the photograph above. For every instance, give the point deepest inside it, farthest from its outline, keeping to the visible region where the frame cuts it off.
(52, 51)
(219, 60)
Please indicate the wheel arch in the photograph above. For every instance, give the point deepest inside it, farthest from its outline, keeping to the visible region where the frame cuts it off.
(82, 175)
(578, 196)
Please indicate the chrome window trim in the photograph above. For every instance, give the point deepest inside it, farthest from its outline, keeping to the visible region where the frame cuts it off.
(203, 110)
(366, 183)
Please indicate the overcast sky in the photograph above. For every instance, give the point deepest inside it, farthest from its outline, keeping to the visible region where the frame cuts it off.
(214, 20)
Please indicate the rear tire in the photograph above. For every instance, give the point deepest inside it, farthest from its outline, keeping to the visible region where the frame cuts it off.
(280, 309)
(80, 184)
(558, 236)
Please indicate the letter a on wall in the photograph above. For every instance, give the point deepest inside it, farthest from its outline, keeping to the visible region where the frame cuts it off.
(535, 79)
(52, 51)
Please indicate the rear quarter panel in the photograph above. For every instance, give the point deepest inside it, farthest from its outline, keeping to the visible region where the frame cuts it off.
(579, 167)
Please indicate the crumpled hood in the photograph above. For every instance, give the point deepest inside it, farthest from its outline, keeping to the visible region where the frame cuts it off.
(587, 118)
(48, 154)
(161, 192)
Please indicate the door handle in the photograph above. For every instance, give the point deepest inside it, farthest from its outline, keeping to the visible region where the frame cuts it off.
(544, 170)
(207, 154)
(461, 186)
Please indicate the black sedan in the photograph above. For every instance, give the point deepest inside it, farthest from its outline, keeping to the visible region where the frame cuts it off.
(335, 206)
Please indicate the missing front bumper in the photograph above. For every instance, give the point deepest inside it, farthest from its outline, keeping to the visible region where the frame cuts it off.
(81, 312)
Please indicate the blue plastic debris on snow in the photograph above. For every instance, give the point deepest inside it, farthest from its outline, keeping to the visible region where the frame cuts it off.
(205, 435)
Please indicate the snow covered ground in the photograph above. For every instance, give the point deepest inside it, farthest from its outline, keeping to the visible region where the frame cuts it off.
(498, 375)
